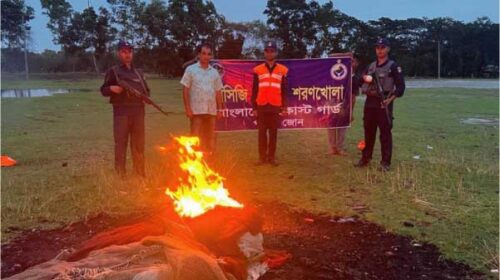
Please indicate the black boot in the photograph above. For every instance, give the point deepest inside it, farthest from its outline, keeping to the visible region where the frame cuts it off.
(384, 167)
(361, 163)
(273, 162)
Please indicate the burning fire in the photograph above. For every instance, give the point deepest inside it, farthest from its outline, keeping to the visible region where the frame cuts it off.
(204, 188)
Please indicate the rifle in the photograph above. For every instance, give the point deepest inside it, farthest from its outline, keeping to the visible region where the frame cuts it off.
(382, 95)
(131, 90)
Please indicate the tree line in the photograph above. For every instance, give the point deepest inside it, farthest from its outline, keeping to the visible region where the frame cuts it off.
(165, 35)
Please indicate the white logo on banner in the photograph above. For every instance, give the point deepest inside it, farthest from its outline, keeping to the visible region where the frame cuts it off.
(338, 71)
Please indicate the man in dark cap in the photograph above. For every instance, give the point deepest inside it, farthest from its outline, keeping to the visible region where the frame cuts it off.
(383, 82)
(269, 101)
(128, 110)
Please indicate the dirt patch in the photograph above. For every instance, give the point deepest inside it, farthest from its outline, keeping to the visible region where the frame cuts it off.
(323, 247)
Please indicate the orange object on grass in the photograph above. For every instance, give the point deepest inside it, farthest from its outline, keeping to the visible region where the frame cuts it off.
(361, 145)
(276, 258)
(8, 161)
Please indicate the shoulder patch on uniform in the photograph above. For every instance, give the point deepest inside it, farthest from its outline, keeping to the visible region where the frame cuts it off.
(399, 69)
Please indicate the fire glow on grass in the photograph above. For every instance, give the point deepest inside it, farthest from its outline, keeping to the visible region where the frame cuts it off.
(204, 188)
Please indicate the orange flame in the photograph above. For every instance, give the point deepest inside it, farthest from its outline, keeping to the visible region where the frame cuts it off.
(204, 189)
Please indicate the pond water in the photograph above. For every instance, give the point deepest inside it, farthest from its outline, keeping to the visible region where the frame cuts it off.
(479, 121)
(36, 92)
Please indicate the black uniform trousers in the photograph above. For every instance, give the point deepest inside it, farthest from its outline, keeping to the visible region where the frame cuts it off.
(125, 126)
(373, 118)
(268, 123)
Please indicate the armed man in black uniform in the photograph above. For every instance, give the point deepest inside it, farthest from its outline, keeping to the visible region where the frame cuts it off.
(128, 110)
(383, 82)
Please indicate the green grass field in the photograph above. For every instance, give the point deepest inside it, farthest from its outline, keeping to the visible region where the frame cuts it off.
(64, 148)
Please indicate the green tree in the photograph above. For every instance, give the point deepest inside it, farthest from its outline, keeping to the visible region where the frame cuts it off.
(157, 51)
(95, 32)
(126, 14)
(82, 36)
(59, 13)
(336, 32)
(155, 20)
(293, 23)
(15, 15)
(105, 34)
(193, 22)
(232, 45)
(165, 35)
(253, 34)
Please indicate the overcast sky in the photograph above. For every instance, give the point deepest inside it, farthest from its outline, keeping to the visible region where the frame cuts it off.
(247, 10)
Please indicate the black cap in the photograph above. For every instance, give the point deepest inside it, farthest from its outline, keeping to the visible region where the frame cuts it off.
(382, 42)
(124, 45)
(270, 45)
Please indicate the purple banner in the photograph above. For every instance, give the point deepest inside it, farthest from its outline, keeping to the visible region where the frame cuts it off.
(319, 93)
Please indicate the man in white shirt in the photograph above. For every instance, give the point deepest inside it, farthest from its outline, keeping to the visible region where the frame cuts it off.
(202, 98)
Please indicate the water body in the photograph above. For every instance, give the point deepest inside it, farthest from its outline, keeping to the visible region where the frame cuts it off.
(480, 121)
(36, 92)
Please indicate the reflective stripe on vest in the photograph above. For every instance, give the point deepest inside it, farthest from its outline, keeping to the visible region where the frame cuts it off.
(270, 84)
(266, 84)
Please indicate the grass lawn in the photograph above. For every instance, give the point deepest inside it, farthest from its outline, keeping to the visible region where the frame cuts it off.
(64, 148)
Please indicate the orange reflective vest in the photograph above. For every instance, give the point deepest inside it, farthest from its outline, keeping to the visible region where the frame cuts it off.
(270, 84)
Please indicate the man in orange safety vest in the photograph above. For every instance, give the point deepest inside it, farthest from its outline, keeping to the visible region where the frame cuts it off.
(269, 102)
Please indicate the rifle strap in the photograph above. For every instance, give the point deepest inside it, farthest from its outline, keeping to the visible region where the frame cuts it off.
(142, 81)
(118, 79)
(114, 73)
(136, 73)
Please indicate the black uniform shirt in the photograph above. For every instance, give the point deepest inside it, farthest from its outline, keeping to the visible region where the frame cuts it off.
(124, 103)
(399, 84)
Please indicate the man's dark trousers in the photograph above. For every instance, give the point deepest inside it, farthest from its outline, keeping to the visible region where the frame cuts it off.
(129, 124)
(373, 118)
(267, 121)
(203, 126)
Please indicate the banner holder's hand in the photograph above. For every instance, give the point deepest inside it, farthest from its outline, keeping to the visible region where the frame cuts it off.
(283, 112)
(219, 114)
